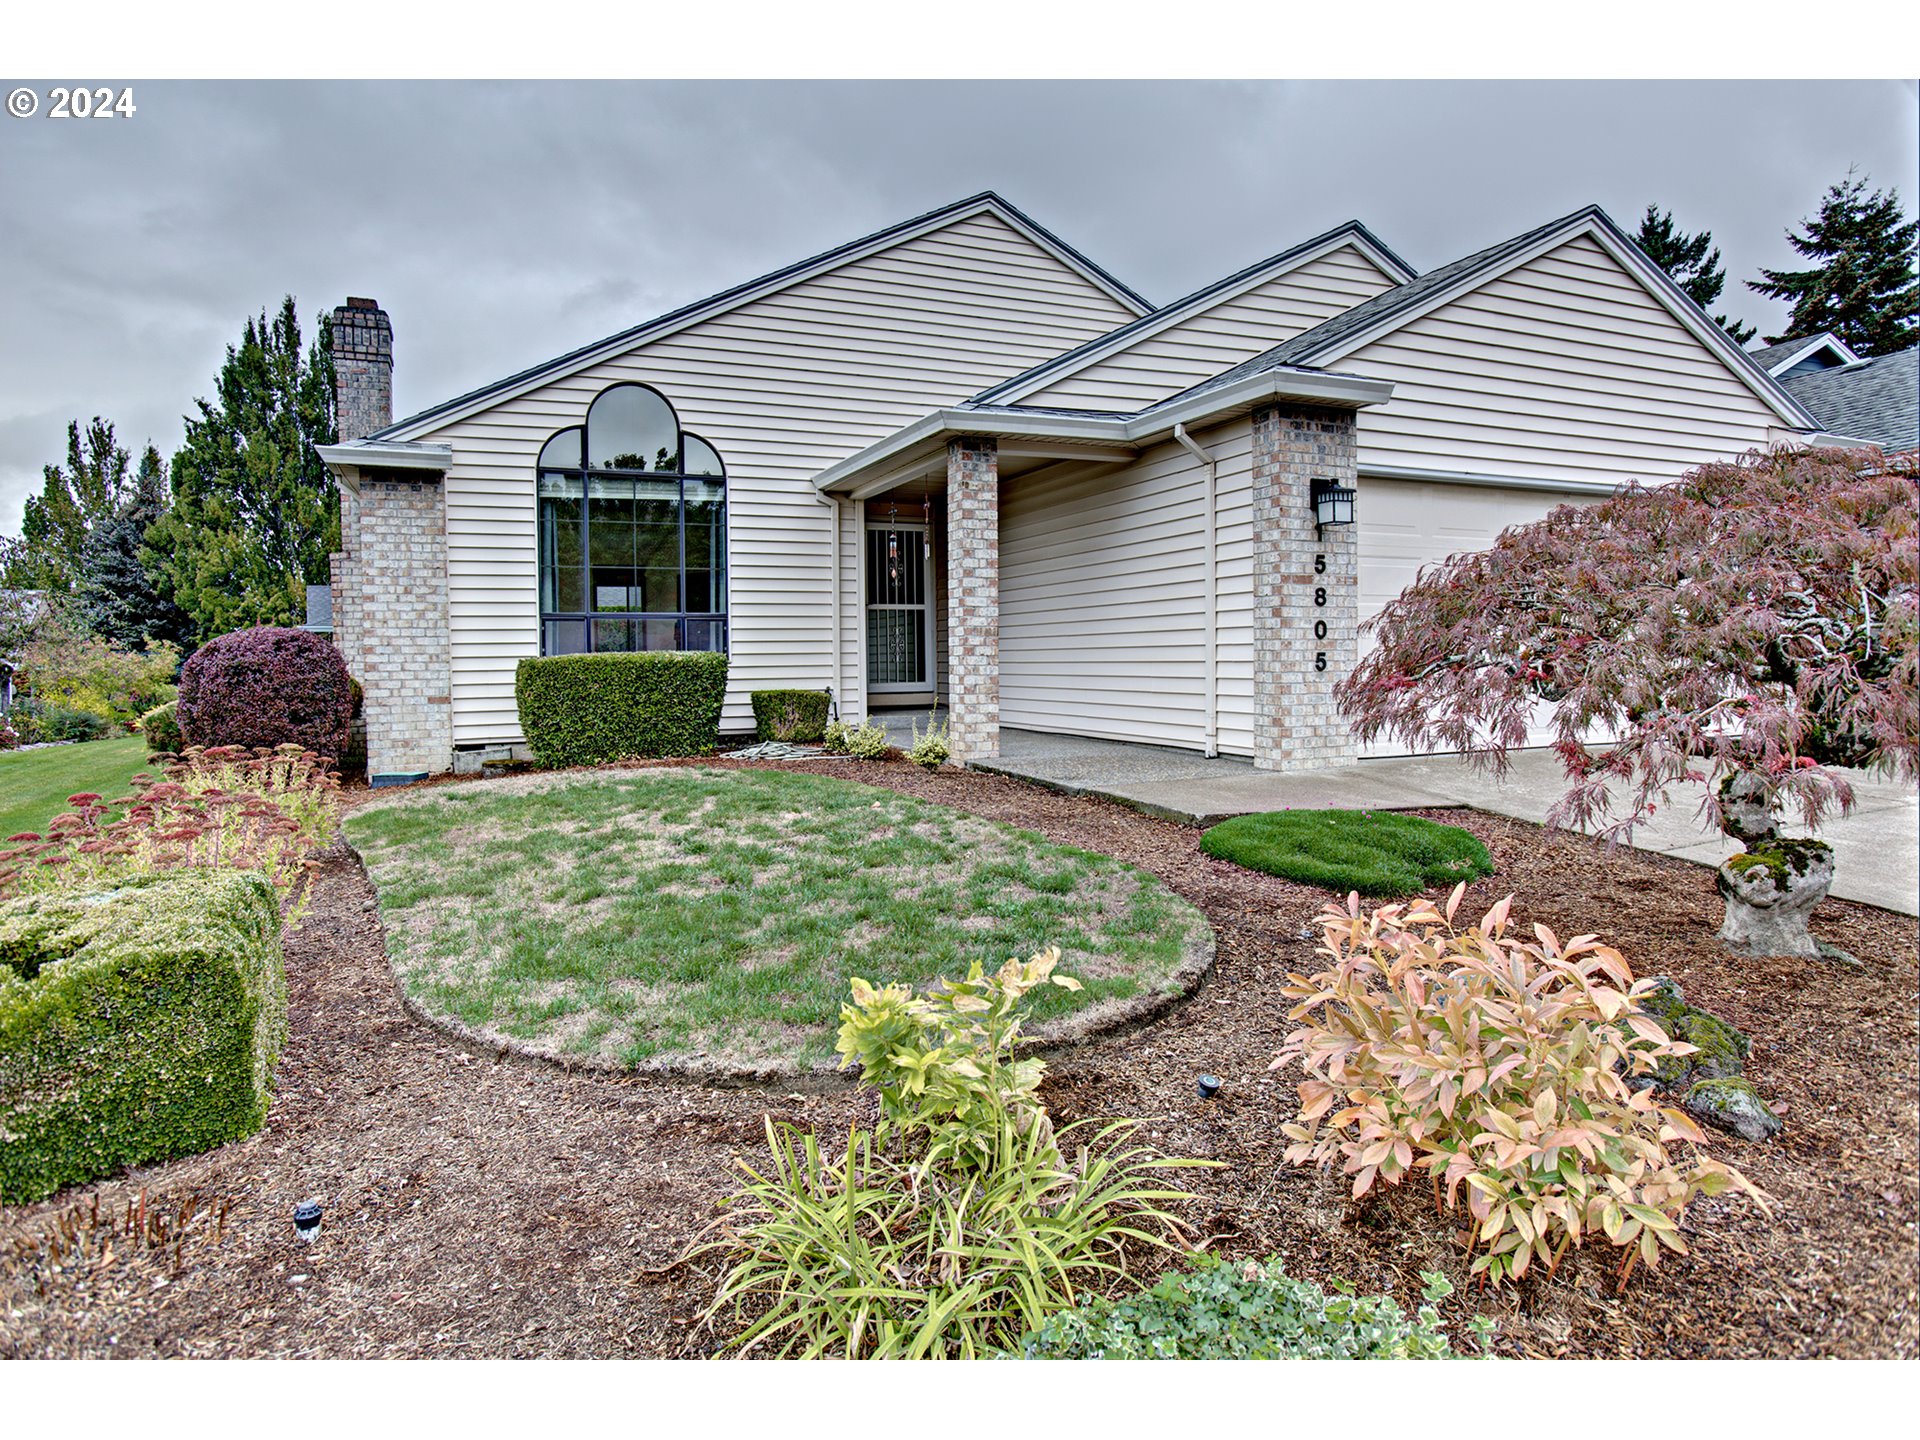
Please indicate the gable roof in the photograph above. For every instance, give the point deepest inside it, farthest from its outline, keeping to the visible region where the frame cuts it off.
(1776, 360)
(1346, 332)
(1116, 340)
(1874, 399)
(986, 202)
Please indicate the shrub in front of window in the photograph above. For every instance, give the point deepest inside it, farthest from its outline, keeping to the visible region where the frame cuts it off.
(798, 717)
(1504, 1068)
(155, 1035)
(1249, 1310)
(162, 728)
(264, 687)
(589, 709)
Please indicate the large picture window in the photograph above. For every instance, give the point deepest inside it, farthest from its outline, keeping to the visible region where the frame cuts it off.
(633, 531)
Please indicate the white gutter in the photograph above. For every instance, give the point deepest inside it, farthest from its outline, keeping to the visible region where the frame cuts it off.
(1213, 589)
(833, 504)
(385, 455)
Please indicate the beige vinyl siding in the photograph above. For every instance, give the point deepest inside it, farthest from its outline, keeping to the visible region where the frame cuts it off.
(1221, 336)
(1103, 603)
(1232, 449)
(1564, 368)
(783, 386)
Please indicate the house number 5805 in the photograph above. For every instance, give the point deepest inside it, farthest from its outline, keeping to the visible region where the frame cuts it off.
(1319, 602)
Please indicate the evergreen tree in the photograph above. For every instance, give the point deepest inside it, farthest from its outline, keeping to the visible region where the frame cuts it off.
(1863, 289)
(1693, 261)
(118, 598)
(254, 515)
(73, 500)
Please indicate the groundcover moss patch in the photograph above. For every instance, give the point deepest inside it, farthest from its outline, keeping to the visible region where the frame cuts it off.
(1374, 852)
(716, 916)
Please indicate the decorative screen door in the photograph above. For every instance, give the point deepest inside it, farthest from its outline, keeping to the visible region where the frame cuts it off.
(899, 608)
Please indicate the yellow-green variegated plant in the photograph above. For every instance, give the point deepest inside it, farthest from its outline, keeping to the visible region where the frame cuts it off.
(1503, 1067)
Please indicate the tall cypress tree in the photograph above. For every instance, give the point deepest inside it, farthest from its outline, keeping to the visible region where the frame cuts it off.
(118, 597)
(1864, 288)
(254, 515)
(73, 500)
(1693, 261)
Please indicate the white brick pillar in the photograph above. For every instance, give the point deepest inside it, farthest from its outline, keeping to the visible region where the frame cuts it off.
(973, 597)
(1306, 589)
(397, 607)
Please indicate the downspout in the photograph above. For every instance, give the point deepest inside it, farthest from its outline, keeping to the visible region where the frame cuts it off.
(832, 503)
(1213, 588)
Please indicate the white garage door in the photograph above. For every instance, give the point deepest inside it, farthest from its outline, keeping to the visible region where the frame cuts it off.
(1405, 524)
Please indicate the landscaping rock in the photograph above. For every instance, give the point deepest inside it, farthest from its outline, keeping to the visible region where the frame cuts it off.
(1770, 891)
(1721, 1051)
(1745, 813)
(1733, 1104)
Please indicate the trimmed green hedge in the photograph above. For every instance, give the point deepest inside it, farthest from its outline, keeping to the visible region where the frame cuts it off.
(136, 1024)
(162, 728)
(1375, 852)
(587, 709)
(797, 716)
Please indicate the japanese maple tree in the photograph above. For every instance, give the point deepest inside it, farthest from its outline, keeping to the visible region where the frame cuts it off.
(1754, 620)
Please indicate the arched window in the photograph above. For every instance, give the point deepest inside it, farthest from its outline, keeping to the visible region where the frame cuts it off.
(633, 531)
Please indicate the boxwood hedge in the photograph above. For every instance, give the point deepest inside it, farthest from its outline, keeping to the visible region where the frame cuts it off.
(796, 716)
(136, 1024)
(587, 709)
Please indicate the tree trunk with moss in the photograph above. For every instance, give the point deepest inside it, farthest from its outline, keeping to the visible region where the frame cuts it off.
(1771, 889)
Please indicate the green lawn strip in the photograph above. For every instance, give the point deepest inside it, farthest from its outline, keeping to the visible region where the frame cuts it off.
(35, 784)
(720, 914)
(1376, 852)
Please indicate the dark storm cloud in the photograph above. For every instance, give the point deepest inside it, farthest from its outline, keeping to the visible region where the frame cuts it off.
(501, 224)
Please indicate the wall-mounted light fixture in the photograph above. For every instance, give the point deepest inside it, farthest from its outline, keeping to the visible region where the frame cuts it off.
(1332, 505)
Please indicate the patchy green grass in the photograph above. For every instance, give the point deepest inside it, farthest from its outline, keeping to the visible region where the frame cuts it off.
(1373, 851)
(709, 915)
(35, 784)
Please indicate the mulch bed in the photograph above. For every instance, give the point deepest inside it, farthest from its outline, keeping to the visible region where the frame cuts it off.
(483, 1208)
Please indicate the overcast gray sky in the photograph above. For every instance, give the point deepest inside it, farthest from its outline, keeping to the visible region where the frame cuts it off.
(501, 224)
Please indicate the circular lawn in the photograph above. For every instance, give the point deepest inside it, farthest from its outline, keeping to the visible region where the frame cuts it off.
(709, 920)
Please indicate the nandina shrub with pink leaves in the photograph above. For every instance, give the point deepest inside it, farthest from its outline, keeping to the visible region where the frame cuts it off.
(1753, 621)
(219, 809)
(264, 687)
(1515, 1072)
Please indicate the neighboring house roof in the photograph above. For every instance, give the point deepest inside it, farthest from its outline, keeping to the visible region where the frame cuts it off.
(766, 284)
(1820, 352)
(1352, 233)
(1873, 400)
(1388, 311)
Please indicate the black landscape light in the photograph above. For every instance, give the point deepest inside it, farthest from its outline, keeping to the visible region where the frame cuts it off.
(1332, 504)
(306, 1221)
(1208, 1086)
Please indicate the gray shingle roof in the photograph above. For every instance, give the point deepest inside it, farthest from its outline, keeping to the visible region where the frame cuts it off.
(1768, 356)
(1874, 400)
(1064, 361)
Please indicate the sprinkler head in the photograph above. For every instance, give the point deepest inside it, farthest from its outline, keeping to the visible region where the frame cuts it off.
(1209, 1086)
(306, 1221)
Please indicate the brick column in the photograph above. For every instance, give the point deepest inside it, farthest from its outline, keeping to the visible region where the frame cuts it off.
(398, 612)
(1306, 590)
(973, 597)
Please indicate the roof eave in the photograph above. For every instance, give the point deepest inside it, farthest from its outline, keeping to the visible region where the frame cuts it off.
(347, 460)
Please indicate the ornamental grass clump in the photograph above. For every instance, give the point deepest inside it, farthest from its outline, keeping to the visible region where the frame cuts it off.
(1503, 1067)
(959, 1223)
(222, 809)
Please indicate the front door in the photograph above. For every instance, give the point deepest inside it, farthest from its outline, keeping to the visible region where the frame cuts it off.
(899, 609)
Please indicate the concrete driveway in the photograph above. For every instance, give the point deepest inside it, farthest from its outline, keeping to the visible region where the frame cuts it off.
(1876, 848)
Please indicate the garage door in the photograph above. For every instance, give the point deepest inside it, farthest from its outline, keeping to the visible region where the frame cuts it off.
(1405, 524)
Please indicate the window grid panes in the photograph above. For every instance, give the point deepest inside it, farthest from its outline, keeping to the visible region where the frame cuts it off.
(633, 542)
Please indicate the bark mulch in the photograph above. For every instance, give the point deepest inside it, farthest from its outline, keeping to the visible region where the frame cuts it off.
(478, 1207)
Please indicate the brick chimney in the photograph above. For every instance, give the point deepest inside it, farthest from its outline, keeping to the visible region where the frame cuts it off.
(362, 368)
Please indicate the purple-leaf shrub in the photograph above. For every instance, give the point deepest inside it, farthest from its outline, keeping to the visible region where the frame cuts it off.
(265, 687)
(1756, 617)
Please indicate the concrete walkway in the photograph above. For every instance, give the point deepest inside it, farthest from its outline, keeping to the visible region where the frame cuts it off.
(1876, 848)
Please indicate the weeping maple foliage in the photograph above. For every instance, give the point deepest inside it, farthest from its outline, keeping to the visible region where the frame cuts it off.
(1756, 616)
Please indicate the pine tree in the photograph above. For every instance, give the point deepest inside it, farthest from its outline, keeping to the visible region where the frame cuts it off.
(254, 515)
(1864, 289)
(118, 597)
(73, 499)
(1693, 261)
